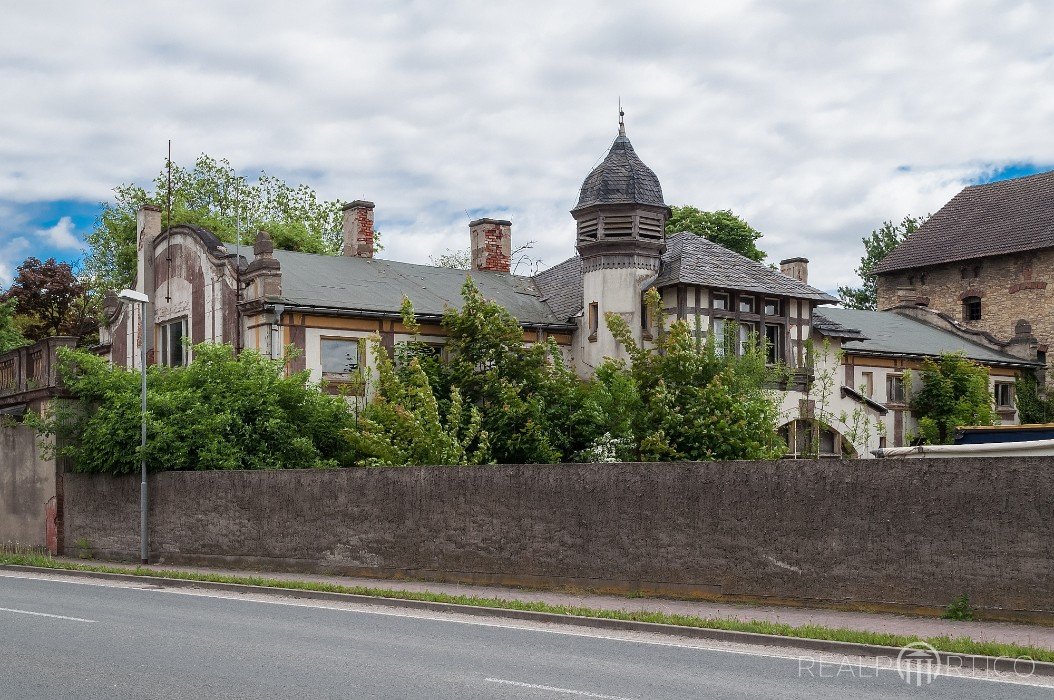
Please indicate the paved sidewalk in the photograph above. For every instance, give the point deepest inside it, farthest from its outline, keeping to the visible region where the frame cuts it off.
(1036, 635)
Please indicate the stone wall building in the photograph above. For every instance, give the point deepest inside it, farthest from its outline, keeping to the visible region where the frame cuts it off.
(981, 266)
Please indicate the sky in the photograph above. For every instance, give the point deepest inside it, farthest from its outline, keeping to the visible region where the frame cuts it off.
(814, 121)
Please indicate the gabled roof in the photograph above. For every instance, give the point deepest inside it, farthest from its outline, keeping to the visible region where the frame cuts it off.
(890, 333)
(349, 283)
(692, 259)
(1010, 216)
(622, 178)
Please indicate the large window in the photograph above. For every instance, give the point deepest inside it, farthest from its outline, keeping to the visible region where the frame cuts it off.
(340, 357)
(170, 342)
(972, 309)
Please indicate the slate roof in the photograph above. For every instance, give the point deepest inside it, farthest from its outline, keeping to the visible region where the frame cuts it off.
(622, 178)
(692, 259)
(833, 329)
(360, 284)
(689, 259)
(889, 333)
(1010, 216)
(561, 287)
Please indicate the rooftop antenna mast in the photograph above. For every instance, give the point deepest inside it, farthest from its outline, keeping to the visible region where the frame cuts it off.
(168, 228)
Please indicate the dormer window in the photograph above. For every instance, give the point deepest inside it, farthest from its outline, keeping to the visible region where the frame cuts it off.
(972, 309)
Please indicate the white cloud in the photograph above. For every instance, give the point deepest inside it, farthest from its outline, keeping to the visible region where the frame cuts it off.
(799, 116)
(12, 251)
(61, 235)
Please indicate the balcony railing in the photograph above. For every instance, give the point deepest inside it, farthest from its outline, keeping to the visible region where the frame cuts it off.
(32, 371)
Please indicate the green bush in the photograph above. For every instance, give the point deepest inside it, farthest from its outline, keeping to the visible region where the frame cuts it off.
(220, 412)
(959, 609)
(954, 393)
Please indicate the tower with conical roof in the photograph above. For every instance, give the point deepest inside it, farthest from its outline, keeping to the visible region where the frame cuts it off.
(621, 220)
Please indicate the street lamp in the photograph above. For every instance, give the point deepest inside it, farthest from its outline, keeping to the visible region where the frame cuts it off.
(133, 297)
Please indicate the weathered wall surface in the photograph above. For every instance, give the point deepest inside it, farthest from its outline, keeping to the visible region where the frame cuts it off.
(1011, 288)
(910, 532)
(27, 486)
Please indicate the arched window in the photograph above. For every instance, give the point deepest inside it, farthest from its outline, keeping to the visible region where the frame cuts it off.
(972, 309)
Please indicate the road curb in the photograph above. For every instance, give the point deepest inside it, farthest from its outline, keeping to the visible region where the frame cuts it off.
(956, 660)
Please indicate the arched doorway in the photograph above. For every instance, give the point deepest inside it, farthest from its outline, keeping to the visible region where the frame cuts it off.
(808, 439)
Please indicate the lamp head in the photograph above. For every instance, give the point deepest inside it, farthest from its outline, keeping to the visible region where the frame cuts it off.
(132, 295)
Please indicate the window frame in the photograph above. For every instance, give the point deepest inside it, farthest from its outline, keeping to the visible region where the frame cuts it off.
(896, 379)
(972, 308)
(1008, 387)
(867, 384)
(360, 353)
(774, 351)
(593, 319)
(164, 342)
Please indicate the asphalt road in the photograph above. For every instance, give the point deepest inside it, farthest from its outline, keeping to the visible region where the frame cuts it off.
(100, 640)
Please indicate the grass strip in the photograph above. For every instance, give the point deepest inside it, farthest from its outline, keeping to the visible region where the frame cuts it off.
(961, 645)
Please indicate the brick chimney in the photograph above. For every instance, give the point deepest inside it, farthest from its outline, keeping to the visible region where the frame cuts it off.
(798, 268)
(491, 244)
(358, 229)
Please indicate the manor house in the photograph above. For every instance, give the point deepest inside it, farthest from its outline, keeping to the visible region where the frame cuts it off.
(328, 306)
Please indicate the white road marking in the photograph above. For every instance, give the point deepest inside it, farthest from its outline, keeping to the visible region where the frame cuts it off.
(40, 614)
(554, 689)
(828, 658)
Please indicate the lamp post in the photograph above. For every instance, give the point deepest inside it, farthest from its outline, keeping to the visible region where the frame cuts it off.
(134, 297)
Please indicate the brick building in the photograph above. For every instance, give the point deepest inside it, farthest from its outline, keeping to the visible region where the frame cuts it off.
(981, 266)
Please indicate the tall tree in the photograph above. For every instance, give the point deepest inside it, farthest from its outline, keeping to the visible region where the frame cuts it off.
(212, 195)
(10, 336)
(722, 227)
(877, 246)
(51, 300)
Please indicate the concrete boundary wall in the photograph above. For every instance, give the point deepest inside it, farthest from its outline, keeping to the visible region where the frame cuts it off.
(903, 533)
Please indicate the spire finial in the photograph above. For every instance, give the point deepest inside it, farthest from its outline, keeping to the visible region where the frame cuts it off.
(621, 121)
